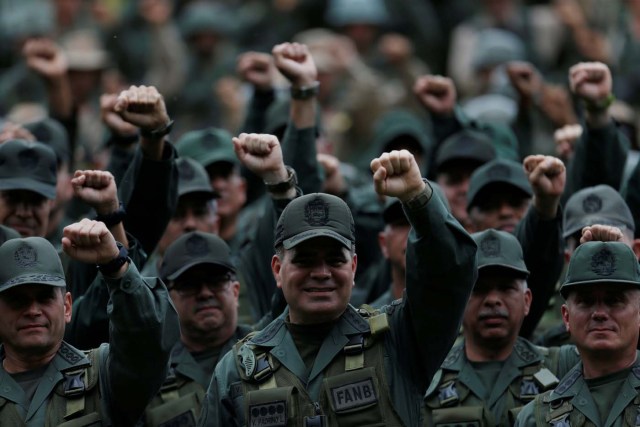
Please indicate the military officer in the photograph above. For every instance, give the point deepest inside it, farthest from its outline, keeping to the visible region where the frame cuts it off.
(201, 279)
(489, 376)
(44, 380)
(602, 314)
(322, 362)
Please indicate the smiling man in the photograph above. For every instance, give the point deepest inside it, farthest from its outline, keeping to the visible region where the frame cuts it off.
(602, 314)
(27, 186)
(322, 362)
(486, 379)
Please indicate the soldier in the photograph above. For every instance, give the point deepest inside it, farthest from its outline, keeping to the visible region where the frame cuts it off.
(493, 373)
(47, 381)
(324, 363)
(602, 313)
(201, 279)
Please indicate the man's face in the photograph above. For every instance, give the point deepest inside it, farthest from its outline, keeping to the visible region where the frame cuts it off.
(316, 278)
(33, 318)
(454, 182)
(194, 213)
(603, 319)
(206, 299)
(232, 188)
(393, 243)
(496, 310)
(25, 211)
(499, 207)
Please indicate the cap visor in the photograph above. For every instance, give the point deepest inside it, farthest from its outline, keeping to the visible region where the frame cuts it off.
(310, 234)
(521, 271)
(185, 267)
(565, 289)
(587, 221)
(34, 279)
(21, 183)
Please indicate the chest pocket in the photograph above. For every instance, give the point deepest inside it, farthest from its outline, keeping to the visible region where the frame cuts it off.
(272, 407)
(177, 404)
(463, 416)
(354, 398)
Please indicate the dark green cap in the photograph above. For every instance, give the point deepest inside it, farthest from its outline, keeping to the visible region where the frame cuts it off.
(26, 165)
(193, 178)
(193, 249)
(499, 249)
(596, 205)
(315, 215)
(601, 262)
(30, 260)
(497, 171)
(207, 146)
(465, 145)
(7, 233)
(50, 132)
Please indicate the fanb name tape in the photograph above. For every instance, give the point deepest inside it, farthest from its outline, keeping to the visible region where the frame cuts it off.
(355, 395)
(272, 414)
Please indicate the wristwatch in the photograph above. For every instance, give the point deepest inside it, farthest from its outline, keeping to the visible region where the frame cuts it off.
(112, 218)
(421, 199)
(284, 186)
(305, 92)
(115, 264)
(157, 133)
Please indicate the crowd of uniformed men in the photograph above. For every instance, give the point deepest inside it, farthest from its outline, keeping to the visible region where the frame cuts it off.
(378, 245)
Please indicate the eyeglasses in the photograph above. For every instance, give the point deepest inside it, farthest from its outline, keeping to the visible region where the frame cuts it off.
(192, 286)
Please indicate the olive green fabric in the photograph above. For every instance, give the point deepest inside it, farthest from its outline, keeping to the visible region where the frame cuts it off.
(441, 270)
(500, 249)
(604, 391)
(601, 262)
(193, 179)
(458, 386)
(30, 260)
(497, 171)
(572, 402)
(207, 146)
(29, 166)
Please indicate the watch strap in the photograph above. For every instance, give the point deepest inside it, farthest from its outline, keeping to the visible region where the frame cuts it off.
(158, 132)
(284, 186)
(115, 264)
(113, 218)
(305, 92)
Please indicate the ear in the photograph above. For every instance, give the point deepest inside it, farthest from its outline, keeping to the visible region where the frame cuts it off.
(67, 307)
(235, 287)
(636, 247)
(382, 242)
(565, 316)
(276, 265)
(527, 300)
(354, 264)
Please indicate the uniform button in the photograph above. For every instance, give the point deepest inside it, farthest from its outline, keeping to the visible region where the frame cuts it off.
(126, 285)
(279, 353)
(6, 389)
(582, 402)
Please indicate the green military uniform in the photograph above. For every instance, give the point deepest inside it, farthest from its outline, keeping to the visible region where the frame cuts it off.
(572, 404)
(182, 392)
(372, 368)
(458, 393)
(613, 398)
(107, 386)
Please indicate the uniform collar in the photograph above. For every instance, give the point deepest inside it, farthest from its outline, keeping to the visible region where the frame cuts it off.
(523, 354)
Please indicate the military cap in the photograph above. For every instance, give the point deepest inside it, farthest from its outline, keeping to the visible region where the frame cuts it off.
(601, 262)
(7, 233)
(497, 171)
(30, 260)
(195, 248)
(26, 165)
(596, 205)
(50, 132)
(467, 145)
(315, 215)
(193, 179)
(207, 146)
(344, 12)
(499, 249)
(495, 47)
(206, 17)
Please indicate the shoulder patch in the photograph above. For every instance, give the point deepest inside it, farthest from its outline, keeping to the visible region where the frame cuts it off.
(266, 334)
(524, 352)
(69, 354)
(452, 357)
(568, 381)
(636, 371)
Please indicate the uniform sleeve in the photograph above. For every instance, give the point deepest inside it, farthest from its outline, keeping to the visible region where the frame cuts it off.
(543, 251)
(441, 272)
(143, 328)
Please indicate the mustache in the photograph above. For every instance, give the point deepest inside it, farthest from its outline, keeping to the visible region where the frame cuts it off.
(208, 303)
(496, 312)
